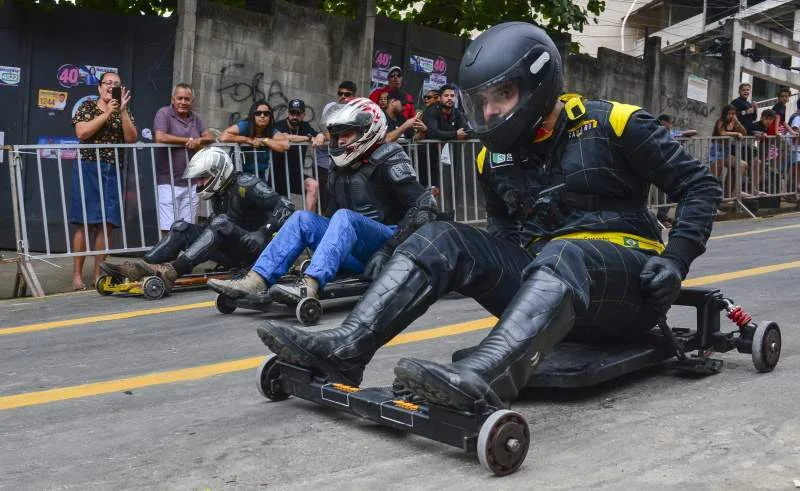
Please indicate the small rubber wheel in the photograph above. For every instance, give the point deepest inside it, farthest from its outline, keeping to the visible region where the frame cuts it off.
(225, 305)
(267, 379)
(503, 442)
(103, 284)
(153, 288)
(308, 311)
(766, 346)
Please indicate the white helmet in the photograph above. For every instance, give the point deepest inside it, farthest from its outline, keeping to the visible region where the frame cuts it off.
(212, 162)
(359, 114)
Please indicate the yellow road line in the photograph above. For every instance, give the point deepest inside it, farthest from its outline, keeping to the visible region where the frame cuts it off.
(703, 280)
(205, 371)
(43, 326)
(754, 232)
(744, 273)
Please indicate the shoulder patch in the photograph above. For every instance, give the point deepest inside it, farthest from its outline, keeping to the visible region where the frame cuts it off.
(574, 108)
(479, 161)
(246, 179)
(619, 116)
(402, 171)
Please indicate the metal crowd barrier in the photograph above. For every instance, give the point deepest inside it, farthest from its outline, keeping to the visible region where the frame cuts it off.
(41, 185)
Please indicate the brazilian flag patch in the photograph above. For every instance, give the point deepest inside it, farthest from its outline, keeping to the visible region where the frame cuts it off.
(630, 242)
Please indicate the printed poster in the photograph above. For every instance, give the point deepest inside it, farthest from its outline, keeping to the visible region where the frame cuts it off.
(697, 89)
(52, 99)
(10, 76)
(52, 153)
(421, 64)
(74, 75)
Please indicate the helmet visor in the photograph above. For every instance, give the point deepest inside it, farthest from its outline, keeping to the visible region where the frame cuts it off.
(488, 105)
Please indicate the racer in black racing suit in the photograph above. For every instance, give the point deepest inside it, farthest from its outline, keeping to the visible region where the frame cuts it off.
(570, 240)
(246, 214)
(372, 189)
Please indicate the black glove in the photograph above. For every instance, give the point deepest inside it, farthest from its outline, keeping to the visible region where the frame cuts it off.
(254, 242)
(375, 264)
(661, 282)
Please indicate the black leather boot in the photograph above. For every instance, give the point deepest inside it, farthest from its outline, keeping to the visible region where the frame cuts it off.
(394, 300)
(537, 319)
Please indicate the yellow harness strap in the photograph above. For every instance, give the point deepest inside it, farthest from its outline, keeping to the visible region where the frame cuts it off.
(623, 239)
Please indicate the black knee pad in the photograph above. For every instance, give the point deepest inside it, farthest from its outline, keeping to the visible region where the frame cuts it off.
(179, 226)
(222, 224)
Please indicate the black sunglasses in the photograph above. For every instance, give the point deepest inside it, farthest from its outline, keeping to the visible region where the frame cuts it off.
(429, 97)
(262, 113)
(344, 94)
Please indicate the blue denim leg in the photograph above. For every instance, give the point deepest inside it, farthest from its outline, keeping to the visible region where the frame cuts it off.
(302, 229)
(348, 244)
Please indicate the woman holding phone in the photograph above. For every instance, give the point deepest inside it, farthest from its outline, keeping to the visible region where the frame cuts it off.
(104, 120)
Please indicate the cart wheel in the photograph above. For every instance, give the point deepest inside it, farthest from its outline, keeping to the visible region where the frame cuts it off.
(766, 346)
(103, 284)
(308, 311)
(153, 288)
(304, 265)
(267, 379)
(503, 442)
(225, 305)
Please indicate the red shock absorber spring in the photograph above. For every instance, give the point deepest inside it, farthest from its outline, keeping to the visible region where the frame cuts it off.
(739, 317)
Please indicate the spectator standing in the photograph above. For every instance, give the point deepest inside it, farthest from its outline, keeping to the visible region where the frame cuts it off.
(793, 184)
(782, 126)
(396, 125)
(297, 131)
(105, 120)
(767, 150)
(723, 155)
(745, 110)
(177, 124)
(395, 78)
(444, 122)
(258, 132)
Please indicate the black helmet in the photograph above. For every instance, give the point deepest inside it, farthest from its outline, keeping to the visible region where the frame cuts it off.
(510, 80)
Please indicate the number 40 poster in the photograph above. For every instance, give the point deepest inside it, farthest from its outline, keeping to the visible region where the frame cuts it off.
(74, 75)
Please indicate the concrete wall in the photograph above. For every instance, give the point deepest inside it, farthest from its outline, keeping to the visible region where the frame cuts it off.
(658, 83)
(240, 56)
(611, 75)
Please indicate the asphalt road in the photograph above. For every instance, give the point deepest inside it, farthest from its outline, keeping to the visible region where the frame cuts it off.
(118, 393)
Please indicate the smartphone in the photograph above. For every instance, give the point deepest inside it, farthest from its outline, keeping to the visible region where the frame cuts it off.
(116, 93)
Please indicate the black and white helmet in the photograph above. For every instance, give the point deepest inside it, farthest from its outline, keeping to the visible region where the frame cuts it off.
(511, 78)
(212, 162)
(358, 114)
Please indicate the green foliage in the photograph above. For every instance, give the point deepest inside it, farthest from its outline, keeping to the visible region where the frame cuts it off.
(462, 17)
(454, 16)
(134, 7)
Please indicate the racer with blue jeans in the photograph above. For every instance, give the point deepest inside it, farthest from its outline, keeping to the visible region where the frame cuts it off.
(372, 189)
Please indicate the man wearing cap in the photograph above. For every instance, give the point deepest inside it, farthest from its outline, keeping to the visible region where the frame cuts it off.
(298, 131)
(395, 78)
(396, 125)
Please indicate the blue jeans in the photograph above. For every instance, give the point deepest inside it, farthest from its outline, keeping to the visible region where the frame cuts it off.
(345, 241)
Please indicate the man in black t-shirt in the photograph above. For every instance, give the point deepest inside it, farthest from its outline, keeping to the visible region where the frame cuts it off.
(397, 126)
(298, 131)
(745, 110)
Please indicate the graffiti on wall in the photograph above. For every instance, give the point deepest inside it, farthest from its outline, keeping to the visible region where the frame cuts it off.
(252, 90)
